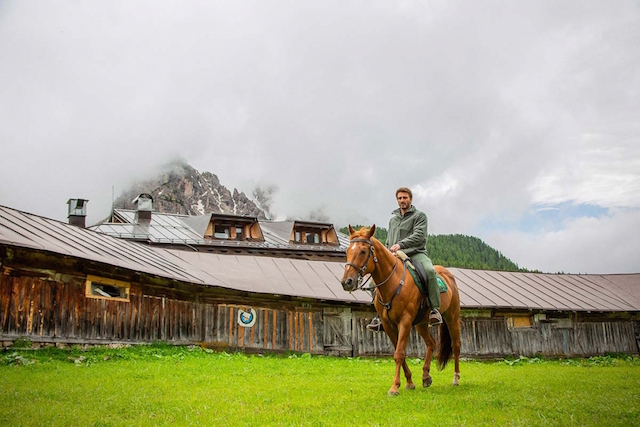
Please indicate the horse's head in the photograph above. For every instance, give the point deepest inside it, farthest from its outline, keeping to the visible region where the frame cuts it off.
(360, 257)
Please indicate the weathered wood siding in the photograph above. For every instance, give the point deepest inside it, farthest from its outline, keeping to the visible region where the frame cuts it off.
(57, 310)
(491, 337)
(47, 310)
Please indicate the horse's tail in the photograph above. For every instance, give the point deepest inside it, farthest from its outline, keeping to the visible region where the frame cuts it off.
(444, 346)
(445, 350)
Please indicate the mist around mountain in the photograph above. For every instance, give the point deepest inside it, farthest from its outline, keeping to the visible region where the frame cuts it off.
(181, 189)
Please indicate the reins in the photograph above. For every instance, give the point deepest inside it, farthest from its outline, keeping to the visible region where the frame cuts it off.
(362, 271)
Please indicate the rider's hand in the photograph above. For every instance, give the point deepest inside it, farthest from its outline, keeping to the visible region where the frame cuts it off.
(395, 248)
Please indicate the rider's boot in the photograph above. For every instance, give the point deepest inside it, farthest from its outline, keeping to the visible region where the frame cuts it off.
(435, 318)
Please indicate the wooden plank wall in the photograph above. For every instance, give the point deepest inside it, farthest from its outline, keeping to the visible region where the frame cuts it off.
(49, 310)
(46, 310)
(490, 337)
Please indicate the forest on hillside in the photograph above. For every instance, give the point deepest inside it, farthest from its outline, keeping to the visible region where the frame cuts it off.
(458, 250)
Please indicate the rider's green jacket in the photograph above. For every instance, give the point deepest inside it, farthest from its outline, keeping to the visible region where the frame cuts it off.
(409, 231)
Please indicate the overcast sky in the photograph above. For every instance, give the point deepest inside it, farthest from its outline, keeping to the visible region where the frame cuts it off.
(516, 122)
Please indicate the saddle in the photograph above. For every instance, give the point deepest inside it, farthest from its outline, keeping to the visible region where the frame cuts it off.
(420, 275)
(417, 271)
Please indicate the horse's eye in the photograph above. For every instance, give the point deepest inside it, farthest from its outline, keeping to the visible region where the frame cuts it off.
(362, 252)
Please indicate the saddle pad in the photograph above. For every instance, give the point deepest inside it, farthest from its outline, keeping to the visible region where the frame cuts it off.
(442, 285)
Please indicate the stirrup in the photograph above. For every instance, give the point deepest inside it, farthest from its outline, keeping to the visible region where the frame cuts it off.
(375, 325)
(435, 318)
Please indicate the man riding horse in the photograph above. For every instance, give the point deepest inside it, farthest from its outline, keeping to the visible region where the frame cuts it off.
(408, 232)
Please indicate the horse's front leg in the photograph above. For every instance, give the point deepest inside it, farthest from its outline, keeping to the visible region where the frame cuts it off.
(404, 330)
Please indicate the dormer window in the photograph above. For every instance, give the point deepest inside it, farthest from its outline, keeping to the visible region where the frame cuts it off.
(311, 233)
(231, 227)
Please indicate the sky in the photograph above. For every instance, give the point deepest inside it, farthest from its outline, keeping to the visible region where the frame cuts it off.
(515, 122)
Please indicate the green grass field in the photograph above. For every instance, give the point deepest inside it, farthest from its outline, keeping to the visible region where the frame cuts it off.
(163, 385)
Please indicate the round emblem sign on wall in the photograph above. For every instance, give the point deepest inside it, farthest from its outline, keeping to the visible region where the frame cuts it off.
(246, 318)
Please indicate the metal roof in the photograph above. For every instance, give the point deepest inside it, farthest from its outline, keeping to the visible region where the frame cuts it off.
(555, 292)
(176, 229)
(313, 279)
(34, 232)
(297, 278)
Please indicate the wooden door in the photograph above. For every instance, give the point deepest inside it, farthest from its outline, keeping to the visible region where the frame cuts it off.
(338, 331)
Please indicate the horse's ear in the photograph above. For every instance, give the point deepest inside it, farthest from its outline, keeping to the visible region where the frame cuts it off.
(351, 230)
(372, 231)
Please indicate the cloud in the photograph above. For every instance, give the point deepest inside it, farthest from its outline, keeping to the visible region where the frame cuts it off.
(488, 110)
(604, 245)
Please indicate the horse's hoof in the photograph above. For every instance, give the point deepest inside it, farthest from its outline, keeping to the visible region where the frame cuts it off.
(411, 386)
(426, 382)
(456, 379)
(393, 392)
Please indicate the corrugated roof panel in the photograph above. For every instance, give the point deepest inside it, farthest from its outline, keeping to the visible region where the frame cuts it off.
(272, 274)
(11, 234)
(295, 280)
(625, 286)
(23, 224)
(237, 278)
(254, 275)
(572, 298)
(331, 282)
(469, 284)
(541, 289)
(602, 296)
(518, 289)
(497, 292)
(546, 298)
(319, 287)
(201, 264)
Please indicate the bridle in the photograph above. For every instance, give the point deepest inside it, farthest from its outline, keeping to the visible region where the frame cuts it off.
(362, 271)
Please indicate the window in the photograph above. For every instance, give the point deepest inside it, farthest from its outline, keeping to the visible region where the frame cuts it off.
(103, 288)
(239, 233)
(313, 238)
(308, 236)
(222, 232)
(519, 322)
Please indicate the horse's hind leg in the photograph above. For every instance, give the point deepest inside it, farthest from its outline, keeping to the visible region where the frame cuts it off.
(454, 332)
(423, 330)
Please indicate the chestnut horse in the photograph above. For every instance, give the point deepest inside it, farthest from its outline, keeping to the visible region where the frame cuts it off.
(398, 301)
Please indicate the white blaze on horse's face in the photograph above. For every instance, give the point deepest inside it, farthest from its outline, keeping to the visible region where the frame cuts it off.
(351, 277)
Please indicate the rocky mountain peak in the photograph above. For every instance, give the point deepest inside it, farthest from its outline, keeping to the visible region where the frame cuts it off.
(179, 188)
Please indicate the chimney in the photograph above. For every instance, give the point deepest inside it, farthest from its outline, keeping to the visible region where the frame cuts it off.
(143, 204)
(77, 212)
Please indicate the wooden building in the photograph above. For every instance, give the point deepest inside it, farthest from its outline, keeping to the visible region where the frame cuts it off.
(65, 284)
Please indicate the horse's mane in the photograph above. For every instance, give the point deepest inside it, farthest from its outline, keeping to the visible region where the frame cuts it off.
(362, 232)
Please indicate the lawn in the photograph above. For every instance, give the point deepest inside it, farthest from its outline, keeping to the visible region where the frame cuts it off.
(163, 385)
